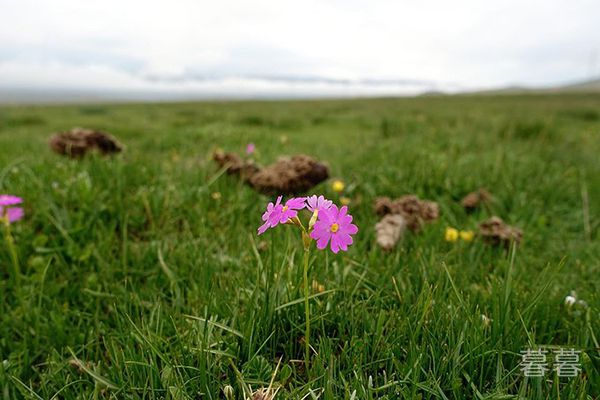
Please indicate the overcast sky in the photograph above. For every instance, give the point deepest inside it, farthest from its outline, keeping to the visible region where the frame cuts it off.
(278, 45)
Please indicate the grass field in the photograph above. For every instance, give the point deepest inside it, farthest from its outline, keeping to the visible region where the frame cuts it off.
(139, 282)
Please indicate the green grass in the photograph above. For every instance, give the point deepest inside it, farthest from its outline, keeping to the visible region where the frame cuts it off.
(138, 284)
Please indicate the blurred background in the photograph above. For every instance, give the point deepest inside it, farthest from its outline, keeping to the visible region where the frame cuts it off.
(64, 50)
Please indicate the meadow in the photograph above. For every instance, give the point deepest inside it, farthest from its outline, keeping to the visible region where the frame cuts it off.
(143, 276)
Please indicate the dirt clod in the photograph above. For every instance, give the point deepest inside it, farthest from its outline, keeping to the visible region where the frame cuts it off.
(475, 199)
(390, 230)
(498, 233)
(235, 164)
(77, 142)
(289, 175)
(416, 212)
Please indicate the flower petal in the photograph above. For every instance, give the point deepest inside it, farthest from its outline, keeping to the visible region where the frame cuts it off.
(9, 200)
(328, 216)
(323, 240)
(264, 227)
(267, 214)
(296, 203)
(343, 212)
(15, 214)
(351, 229)
(335, 243)
(345, 241)
(312, 203)
(288, 214)
(326, 204)
(321, 225)
(345, 220)
(271, 216)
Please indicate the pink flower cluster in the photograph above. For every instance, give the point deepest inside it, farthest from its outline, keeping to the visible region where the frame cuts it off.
(7, 209)
(329, 225)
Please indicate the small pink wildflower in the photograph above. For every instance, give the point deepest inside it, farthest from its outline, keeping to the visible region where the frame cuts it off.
(334, 226)
(9, 200)
(291, 207)
(280, 214)
(272, 216)
(314, 203)
(7, 211)
(250, 148)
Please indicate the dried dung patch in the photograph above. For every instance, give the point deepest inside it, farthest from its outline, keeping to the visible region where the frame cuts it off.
(289, 175)
(496, 232)
(476, 199)
(415, 211)
(79, 141)
(235, 165)
(404, 212)
(390, 230)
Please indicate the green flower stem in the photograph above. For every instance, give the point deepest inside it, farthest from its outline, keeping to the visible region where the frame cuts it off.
(306, 310)
(10, 243)
(306, 241)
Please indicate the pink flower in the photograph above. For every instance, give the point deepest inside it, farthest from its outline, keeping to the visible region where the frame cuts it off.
(334, 226)
(9, 200)
(7, 211)
(250, 148)
(14, 214)
(315, 203)
(290, 210)
(279, 214)
(272, 216)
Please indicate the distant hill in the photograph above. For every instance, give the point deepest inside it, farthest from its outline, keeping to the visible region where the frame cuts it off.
(585, 86)
(337, 89)
(588, 86)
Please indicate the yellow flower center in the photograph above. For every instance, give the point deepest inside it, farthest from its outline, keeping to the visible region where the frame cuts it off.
(334, 228)
(284, 209)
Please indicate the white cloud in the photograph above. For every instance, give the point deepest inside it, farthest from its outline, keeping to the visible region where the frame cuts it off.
(470, 43)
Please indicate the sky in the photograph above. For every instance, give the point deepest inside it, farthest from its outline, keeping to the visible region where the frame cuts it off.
(322, 47)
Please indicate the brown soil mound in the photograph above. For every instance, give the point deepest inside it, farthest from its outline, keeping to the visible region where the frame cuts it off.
(498, 233)
(416, 212)
(475, 199)
(390, 230)
(235, 164)
(79, 141)
(289, 175)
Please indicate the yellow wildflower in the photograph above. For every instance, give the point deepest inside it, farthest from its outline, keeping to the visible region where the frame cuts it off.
(467, 236)
(451, 235)
(337, 186)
